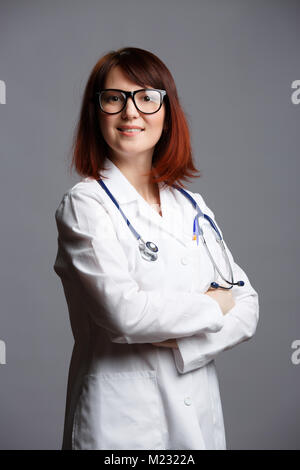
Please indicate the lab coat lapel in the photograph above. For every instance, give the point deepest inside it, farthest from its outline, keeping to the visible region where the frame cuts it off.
(172, 223)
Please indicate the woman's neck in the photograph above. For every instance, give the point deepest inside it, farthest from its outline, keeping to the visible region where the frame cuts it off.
(134, 172)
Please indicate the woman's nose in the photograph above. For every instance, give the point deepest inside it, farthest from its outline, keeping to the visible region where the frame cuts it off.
(130, 109)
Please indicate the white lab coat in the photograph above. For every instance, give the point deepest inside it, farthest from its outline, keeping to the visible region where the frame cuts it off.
(123, 392)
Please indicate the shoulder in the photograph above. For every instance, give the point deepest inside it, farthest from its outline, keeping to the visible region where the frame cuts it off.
(198, 197)
(87, 186)
(81, 197)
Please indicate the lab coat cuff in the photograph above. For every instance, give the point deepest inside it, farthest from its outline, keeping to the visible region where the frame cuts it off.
(190, 354)
(191, 350)
(198, 350)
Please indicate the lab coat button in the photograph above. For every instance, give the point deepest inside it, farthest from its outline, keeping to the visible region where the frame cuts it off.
(184, 260)
(188, 401)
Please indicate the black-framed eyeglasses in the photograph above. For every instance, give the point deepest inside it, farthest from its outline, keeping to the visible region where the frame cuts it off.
(146, 100)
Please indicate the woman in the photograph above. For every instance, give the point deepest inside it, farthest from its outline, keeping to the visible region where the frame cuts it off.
(147, 324)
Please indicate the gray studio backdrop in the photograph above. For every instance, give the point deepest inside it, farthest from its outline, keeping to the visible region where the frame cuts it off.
(236, 66)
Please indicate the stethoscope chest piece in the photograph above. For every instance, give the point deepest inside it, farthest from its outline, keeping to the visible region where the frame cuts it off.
(148, 250)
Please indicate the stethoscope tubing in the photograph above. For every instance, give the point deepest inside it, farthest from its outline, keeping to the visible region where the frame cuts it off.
(149, 249)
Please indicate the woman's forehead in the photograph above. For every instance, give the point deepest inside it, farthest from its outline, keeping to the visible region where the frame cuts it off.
(116, 78)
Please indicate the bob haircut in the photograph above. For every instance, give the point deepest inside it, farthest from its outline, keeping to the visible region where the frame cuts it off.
(172, 157)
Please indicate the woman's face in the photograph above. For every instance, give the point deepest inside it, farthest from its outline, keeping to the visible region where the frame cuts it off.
(140, 144)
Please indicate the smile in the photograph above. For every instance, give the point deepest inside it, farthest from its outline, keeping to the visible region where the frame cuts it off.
(130, 132)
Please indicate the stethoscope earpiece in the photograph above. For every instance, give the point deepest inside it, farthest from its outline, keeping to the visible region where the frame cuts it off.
(214, 285)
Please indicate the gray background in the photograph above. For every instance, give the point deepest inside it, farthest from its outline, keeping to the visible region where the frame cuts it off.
(233, 62)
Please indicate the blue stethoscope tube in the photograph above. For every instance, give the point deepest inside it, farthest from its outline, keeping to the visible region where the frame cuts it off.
(149, 250)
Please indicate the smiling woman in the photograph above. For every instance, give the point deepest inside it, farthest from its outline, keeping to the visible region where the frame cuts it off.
(131, 123)
(131, 88)
(146, 329)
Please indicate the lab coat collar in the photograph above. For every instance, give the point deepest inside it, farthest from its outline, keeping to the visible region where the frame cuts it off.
(124, 192)
(119, 185)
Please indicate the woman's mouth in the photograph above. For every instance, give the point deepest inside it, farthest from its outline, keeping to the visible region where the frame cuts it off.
(130, 132)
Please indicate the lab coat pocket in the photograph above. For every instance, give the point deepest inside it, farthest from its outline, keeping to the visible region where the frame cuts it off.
(118, 410)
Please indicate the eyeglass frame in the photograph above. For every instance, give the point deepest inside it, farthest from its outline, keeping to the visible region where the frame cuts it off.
(127, 94)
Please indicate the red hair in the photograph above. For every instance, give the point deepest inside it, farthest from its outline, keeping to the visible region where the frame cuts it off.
(172, 157)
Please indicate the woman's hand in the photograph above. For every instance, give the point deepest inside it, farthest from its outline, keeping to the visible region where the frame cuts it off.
(223, 297)
(225, 300)
(168, 343)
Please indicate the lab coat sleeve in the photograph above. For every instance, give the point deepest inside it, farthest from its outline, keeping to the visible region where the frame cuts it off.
(92, 256)
(240, 322)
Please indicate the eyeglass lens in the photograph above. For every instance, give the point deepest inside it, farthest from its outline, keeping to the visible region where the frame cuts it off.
(147, 101)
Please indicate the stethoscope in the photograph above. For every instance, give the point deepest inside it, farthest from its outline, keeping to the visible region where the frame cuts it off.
(149, 250)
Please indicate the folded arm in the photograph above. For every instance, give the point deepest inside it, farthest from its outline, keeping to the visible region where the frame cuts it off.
(239, 323)
(91, 254)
